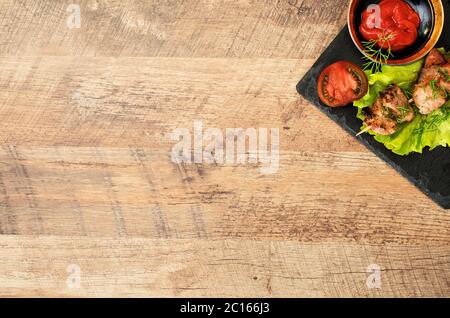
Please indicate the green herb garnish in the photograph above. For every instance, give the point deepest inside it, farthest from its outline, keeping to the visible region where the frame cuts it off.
(377, 56)
(444, 72)
(405, 110)
(438, 91)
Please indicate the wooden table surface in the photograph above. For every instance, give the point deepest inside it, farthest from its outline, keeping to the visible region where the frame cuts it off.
(87, 185)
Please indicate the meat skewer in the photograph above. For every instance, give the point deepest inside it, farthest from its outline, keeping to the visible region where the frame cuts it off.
(431, 90)
(390, 109)
(364, 131)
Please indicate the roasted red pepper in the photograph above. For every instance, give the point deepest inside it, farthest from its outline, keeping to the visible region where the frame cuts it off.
(393, 24)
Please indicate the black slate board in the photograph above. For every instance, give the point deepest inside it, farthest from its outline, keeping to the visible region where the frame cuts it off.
(429, 171)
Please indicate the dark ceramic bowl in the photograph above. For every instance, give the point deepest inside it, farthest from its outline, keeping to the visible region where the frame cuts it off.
(431, 14)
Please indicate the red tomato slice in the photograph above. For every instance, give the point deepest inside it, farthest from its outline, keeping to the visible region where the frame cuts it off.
(341, 83)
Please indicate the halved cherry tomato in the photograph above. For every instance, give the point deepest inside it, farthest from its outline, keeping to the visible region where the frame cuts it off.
(341, 83)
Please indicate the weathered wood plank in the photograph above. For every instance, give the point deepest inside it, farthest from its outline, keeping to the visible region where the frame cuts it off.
(314, 197)
(192, 28)
(122, 102)
(86, 177)
(183, 268)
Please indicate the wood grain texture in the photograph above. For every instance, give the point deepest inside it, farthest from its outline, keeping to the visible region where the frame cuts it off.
(226, 268)
(86, 176)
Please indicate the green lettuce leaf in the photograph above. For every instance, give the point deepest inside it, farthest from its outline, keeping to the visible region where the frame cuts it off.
(443, 51)
(430, 130)
(404, 76)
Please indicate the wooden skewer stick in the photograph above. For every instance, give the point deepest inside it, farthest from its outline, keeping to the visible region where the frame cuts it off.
(364, 131)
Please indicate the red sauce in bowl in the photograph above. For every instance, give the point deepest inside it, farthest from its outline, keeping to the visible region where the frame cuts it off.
(392, 24)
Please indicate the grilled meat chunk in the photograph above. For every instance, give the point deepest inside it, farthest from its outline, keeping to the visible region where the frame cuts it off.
(432, 89)
(380, 124)
(428, 99)
(395, 102)
(390, 109)
(434, 58)
(445, 80)
(428, 74)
